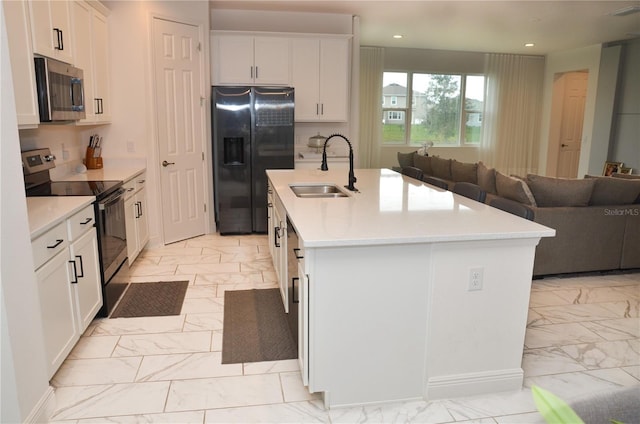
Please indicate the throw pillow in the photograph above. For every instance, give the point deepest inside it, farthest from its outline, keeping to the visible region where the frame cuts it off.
(441, 168)
(464, 172)
(423, 163)
(487, 178)
(550, 192)
(614, 191)
(514, 189)
(405, 159)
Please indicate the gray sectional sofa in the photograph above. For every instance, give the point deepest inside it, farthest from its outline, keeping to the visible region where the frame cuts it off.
(597, 219)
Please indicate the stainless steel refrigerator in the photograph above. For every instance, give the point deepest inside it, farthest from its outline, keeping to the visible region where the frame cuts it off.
(252, 130)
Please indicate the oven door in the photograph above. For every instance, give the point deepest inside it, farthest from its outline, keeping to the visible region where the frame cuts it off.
(112, 233)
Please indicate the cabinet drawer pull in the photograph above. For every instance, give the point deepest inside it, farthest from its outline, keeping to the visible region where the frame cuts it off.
(276, 240)
(293, 289)
(86, 221)
(57, 243)
(296, 251)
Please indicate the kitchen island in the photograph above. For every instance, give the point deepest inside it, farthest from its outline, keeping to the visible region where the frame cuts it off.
(406, 291)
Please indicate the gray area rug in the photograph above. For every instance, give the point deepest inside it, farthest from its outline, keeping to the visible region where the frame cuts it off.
(151, 299)
(255, 327)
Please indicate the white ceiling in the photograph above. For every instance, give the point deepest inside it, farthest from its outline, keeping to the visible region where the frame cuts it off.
(482, 26)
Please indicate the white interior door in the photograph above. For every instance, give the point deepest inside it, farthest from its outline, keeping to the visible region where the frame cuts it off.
(575, 95)
(178, 68)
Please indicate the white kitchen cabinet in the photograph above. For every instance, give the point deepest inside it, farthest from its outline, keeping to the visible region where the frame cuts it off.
(69, 286)
(86, 267)
(320, 75)
(270, 220)
(51, 29)
(57, 301)
(249, 59)
(22, 67)
(278, 235)
(136, 222)
(90, 37)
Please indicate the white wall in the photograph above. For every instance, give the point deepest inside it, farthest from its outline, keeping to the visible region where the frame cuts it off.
(586, 58)
(22, 363)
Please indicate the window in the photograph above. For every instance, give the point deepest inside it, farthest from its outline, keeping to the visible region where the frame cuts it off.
(445, 109)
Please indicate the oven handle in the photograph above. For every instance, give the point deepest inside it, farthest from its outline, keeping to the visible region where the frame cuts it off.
(115, 198)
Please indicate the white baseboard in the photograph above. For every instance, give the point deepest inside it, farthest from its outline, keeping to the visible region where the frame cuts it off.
(453, 386)
(42, 411)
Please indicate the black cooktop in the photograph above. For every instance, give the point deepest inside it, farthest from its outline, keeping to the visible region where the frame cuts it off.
(100, 189)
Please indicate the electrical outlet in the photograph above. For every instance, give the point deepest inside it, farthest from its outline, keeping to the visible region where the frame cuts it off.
(475, 278)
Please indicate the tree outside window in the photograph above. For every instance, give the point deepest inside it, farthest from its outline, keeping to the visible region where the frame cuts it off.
(437, 112)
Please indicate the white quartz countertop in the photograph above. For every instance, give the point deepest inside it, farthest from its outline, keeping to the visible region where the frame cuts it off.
(47, 212)
(391, 208)
(111, 173)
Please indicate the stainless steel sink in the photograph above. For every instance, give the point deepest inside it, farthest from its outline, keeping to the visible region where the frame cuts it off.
(317, 190)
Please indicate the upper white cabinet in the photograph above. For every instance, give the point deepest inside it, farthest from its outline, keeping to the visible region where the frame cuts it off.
(248, 59)
(51, 29)
(320, 76)
(21, 55)
(90, 35)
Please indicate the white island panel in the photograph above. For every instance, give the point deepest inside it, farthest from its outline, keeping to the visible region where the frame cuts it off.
(388, 312)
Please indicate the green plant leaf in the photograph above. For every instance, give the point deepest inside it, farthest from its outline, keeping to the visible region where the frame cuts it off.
(553, 409)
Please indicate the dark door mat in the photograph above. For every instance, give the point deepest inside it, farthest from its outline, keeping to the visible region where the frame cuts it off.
(151, 299)
(255, 327)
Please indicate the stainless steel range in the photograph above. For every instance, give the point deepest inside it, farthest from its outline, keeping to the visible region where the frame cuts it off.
(110, 218)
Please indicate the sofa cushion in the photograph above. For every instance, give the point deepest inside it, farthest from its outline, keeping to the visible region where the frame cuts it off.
(550, 192)
(514, 189)
(405, 159)
(614, 191)
(441, 168)
(464, 172)
(487, 178)
(423, 163)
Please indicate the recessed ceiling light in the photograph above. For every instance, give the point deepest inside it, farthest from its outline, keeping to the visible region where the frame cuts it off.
(397, 36)
(529, 44)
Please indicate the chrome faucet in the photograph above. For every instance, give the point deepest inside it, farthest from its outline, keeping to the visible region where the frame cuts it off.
(324, 167)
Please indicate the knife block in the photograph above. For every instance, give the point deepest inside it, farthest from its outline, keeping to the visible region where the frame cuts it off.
(92, 162)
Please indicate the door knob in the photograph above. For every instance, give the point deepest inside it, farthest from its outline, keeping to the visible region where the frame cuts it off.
(564, 145)
(165, 163)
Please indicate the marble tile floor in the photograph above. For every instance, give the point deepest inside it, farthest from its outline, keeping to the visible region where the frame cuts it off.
(583, 336)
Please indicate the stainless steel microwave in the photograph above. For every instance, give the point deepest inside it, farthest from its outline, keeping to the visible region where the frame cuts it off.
(60, 91)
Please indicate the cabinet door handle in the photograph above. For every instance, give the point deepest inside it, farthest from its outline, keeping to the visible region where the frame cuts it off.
(81, 267)
(296, 252)
(57, 243)
(59, 39)
(251, 72)
(86, 221)
(256, 72)
(276, 240)
(75, 272)
(321, 108)
(293, 290)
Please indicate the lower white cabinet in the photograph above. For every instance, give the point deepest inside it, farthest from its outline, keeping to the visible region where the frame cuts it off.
(88, 290)
(278, 236)
(135, 206)
(69, 286)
